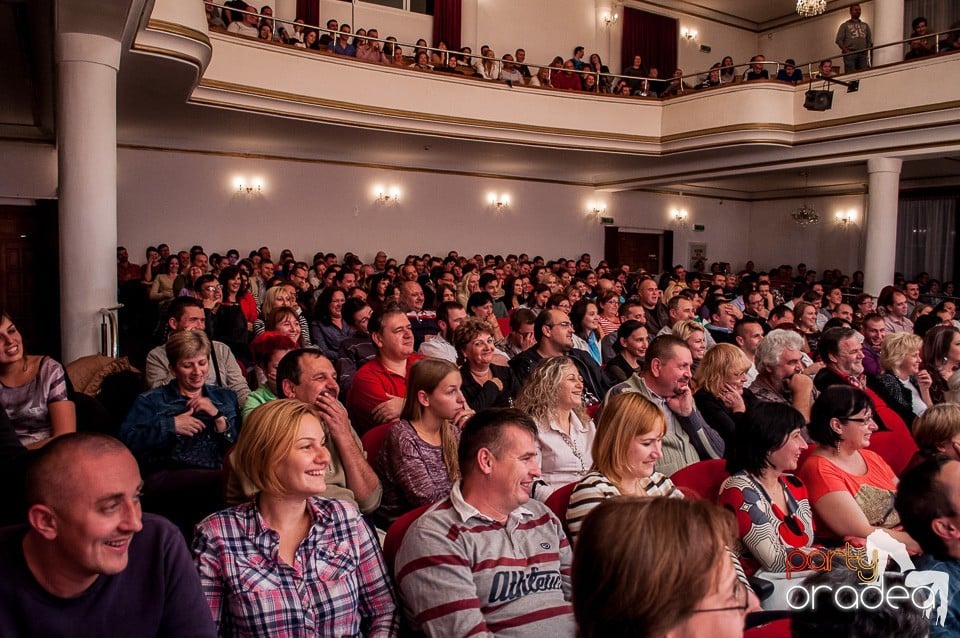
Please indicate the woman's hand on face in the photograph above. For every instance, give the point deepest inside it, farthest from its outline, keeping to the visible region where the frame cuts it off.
(924, 380)
(732, 399)
(461, 417)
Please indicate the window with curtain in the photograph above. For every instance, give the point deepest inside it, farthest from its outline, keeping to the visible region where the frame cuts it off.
(926, 236)
(654, 37)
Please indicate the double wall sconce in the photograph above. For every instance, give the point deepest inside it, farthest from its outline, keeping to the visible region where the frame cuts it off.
(248, 186)
(596, 209)
(498, 202)
(386, 195)
(846, 218)
(688, 35)
(609, 19)
(678, 216)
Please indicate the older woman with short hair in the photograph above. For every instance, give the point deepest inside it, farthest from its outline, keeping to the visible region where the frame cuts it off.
(904, 381)
(485, 384)
(290, 562)
(721, 396)
(625, 450)
(553, 396)
(281, 295)
(937, 431)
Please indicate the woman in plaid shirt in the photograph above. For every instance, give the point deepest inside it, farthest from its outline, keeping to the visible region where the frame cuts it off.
(290, 563)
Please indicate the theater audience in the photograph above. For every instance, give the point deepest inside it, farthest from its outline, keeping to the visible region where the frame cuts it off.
(33, 390)
(851, 488)
(281, 295)
(780, 377)
(553, 397)
(585, 318)
(418, 459)
(874, 330)
(695, 336)
(625, 450)
(163, 284)
(318, 563)
(328, 328)
(790, 73)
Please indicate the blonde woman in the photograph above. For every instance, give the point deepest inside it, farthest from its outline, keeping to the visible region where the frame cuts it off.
(721, 396)
(290, 562)
(695, 336)
(469, 284)
(625, 450)
(937, 431)
(904, 381)
(553, 396)
(417, 463)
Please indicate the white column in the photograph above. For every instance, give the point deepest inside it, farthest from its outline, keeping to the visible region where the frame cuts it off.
(882, 199)
(887, 27)
(87, 161)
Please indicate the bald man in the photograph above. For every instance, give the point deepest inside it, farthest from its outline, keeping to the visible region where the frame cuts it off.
(89, 562)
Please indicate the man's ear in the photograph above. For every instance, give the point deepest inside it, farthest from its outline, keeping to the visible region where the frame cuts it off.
(377, 341)
(945, 529)
(655, 366)
(485, 459)
(286, 388)
(172, 322)
(44, 521)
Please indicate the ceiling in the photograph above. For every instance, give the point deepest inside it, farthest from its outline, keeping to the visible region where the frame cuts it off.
(153, 112)
(762, 14)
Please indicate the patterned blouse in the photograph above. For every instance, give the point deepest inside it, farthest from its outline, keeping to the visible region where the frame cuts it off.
(767, 533)
(27, 406)
(337, 585)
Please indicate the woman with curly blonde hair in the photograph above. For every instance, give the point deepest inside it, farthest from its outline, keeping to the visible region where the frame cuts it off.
(553, 396)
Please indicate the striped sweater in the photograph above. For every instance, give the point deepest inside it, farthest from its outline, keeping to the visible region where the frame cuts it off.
(463, 574)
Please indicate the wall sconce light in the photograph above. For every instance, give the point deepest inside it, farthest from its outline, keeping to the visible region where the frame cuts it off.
(597, 209)
(248, 187)
(845, 218)
(679, 217)
(498, 202)
(688, 34)
(609, 19)
(385, 196)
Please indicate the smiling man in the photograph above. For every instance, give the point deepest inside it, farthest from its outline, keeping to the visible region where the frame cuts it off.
(90, 563)
(665, 380)
(488, 559)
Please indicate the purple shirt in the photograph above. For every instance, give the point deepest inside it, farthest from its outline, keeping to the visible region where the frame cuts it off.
(871, 360)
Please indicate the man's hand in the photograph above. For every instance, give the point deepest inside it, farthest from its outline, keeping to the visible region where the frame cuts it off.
(388, 411)
(333, 413)
(800, 385)
(681, 403)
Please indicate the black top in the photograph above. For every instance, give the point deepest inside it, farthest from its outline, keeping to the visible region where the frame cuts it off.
(488, 395)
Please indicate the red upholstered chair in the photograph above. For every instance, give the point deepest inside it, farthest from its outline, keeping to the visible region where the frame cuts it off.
(559, 501)
(504, 323)
(776, 629)
(894, 448)
(373, 439)
(396, 532)
(704, 478)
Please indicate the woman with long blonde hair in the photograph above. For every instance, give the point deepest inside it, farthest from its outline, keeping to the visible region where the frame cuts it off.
(553, 396)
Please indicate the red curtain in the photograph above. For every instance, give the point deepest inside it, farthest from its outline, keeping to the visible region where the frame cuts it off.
(653, 37)
(309, 10)
(446, 23)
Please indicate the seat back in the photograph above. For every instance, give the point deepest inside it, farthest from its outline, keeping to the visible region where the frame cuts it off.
(704, 478)
(372, 440)
(559, 501)
(504, 323)
(396, 532)
(894, 448)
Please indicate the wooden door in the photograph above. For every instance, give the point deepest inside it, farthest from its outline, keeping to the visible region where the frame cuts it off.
(651, 252)
(29, 274)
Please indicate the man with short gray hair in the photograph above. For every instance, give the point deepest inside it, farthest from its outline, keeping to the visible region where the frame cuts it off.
(780, 377)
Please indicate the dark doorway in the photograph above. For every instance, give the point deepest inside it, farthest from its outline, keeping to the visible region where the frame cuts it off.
(29, 270)
(651, 252)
